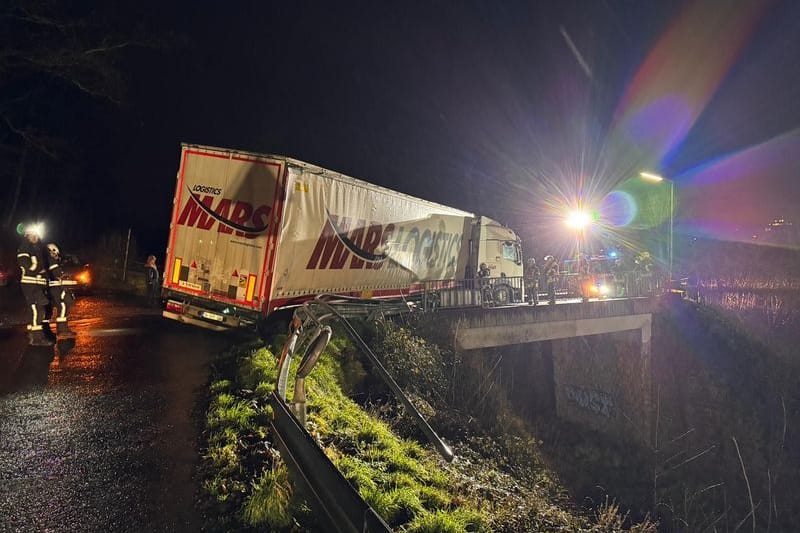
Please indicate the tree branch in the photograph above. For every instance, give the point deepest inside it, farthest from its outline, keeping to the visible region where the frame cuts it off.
(31, 139)
(112, 47)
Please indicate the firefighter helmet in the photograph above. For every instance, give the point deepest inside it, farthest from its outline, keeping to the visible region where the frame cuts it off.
(55, 253)
(36, 229)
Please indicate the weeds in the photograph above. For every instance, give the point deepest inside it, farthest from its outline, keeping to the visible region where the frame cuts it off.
(456, 521)
(270, 501)
(231, 413)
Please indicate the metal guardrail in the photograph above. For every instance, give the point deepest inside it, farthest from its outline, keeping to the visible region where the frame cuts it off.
(341, 505)
(346, 510)
(325, 307)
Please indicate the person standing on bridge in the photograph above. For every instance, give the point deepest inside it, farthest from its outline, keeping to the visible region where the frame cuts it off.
(532, 274)
(551, 275)
(585, 280)
(33, 264)
(486, 287)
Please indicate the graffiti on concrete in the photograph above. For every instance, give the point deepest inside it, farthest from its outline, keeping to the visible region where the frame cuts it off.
(598, 402)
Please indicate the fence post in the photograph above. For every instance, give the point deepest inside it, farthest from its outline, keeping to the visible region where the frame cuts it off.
(125, 264)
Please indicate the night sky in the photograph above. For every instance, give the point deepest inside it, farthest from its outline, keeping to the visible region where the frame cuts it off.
(509, 109)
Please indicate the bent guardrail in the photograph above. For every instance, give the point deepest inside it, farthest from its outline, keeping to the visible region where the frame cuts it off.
(346, 511)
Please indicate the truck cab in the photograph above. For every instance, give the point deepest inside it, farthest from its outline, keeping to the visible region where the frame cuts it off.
(501, 249)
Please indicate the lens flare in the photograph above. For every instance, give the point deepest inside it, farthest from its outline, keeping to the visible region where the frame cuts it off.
(618, 209)
(680, 76)
(727, 198)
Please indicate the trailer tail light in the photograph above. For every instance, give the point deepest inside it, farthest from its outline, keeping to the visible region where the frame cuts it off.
(175, 307)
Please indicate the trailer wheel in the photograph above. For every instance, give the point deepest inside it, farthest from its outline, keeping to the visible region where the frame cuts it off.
(502, 295)
(276, 324)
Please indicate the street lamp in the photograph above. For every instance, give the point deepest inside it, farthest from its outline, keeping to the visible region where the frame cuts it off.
(578, 219)
(656, 178)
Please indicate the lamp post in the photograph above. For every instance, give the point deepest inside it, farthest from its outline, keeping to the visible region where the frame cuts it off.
(579, 220)
(656, 178)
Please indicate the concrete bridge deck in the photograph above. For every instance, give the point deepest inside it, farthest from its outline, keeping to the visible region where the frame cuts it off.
(519, 324)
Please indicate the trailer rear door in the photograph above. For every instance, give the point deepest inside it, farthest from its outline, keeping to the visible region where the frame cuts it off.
(223, 225)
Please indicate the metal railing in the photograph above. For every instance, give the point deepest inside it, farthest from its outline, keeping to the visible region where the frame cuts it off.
(494, 292)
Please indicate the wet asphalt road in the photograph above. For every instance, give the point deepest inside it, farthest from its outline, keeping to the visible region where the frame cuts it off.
(101, 433)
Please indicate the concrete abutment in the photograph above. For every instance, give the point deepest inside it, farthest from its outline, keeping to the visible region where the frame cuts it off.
(588, 363)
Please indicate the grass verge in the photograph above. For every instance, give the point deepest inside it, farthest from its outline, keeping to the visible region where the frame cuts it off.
(404, 481)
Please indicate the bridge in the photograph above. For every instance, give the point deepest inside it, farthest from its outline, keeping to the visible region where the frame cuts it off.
(588, 362)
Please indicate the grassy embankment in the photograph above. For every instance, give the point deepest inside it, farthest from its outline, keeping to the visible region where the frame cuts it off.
(497, 484)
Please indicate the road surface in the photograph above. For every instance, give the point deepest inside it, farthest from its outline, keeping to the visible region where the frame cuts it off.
(101, 433)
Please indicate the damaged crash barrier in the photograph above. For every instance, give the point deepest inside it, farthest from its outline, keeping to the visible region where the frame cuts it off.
(307, 331)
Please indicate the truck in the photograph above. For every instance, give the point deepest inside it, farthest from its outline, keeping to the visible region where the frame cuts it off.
(255, 234)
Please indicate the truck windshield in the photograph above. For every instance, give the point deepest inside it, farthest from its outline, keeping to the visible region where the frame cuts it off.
(510, 252)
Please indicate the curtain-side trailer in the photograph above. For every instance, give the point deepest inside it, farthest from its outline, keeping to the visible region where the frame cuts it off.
(253, 233)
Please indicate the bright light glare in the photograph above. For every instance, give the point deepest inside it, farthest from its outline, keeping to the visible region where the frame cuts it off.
(578, 219)
(650, 176)
(35, 229)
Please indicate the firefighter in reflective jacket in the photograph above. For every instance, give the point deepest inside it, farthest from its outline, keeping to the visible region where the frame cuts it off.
(585, 280)
(551, 275)
(33, 264)
(485, 285)
(532, 282)
(61, 297)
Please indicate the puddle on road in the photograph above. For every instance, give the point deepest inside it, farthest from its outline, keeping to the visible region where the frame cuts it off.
(112, 332)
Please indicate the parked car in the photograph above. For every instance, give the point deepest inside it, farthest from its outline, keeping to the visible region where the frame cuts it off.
(8, 273)
(8, 260)
(77, 270)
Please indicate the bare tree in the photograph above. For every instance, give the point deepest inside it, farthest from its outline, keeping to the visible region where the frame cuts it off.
(48, 47)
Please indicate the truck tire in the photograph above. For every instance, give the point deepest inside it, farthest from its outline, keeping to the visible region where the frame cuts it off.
(276, 324)
(502, 295)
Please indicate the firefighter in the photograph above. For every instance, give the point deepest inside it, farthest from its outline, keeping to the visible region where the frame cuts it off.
(483, 280)
(551, 275)
(585, 280)
(33, 264)
(61, 296)
(643, 269)
(532, 274)
(619, 270)
(152, 280)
